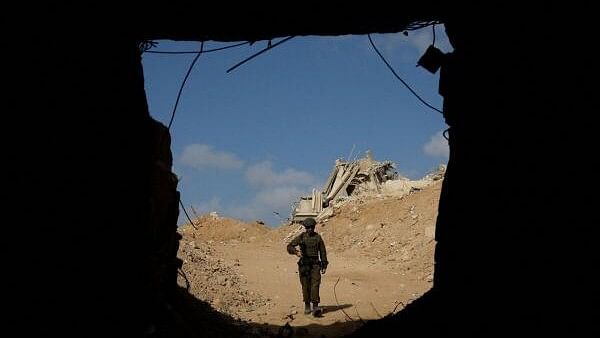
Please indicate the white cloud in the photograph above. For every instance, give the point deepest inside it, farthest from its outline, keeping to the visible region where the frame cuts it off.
(197, 209)
(267, 201)
(274, 192)
(437, 146)
(279, 197)
(201, 156)
(214, 204)
(262, 175)
(243, 212)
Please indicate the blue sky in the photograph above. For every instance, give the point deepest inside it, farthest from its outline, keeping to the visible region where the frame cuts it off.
(248, 143)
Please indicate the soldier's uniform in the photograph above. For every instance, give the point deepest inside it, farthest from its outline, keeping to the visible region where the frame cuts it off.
(313, 260)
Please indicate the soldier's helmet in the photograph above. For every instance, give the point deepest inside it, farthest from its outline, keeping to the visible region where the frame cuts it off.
(309, 223)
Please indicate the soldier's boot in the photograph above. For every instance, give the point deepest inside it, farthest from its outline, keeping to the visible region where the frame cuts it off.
(307, 308)
(316, 310)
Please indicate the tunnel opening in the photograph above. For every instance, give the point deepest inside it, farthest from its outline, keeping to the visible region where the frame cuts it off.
(251, 297)
(513, 107)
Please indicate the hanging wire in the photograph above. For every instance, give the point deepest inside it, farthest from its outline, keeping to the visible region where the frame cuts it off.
(187, 281)
(433, 27)
(145, 45)
(183, 83)
(421, 24)
(399, 78)
(262, 51)
(194, 52)
(186, 214)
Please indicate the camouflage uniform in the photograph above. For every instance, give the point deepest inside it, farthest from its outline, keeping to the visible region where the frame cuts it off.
(309, 266)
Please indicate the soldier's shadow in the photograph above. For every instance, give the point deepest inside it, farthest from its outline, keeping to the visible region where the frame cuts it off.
(333, 308)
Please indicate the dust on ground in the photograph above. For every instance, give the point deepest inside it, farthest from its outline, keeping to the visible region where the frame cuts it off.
(380, 250)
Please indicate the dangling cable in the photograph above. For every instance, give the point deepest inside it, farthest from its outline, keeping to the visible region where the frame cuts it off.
(183, 83)
(399, 78)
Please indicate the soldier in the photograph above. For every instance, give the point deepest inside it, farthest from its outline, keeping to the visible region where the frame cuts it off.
(310, 267)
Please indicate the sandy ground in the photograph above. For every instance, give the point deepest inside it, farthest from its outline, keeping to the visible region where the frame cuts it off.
(380, 250)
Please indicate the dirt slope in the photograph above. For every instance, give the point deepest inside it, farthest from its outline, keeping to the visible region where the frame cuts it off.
(380, 250)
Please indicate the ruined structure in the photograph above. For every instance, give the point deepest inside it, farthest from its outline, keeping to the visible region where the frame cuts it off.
(346, 178)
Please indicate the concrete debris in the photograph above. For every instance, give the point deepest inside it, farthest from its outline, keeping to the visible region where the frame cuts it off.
(353, 180)
(218, 282)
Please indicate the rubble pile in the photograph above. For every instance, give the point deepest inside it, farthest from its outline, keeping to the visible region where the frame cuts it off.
(393, 188)
(358, 180)
(214, 280)
(381, 245)
(398, 232)
(219, 228)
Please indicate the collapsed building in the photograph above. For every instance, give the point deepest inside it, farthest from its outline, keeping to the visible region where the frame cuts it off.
(346, 178)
